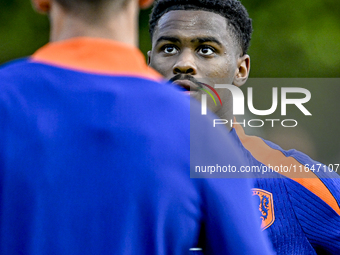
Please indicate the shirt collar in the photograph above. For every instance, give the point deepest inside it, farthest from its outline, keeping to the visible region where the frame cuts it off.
(96, 55)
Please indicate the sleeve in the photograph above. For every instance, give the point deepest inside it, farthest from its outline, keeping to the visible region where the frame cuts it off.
(319, 221)
(232, 225)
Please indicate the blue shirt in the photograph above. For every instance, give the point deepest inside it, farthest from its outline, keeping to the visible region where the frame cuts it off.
(298, 202)
(95, 159)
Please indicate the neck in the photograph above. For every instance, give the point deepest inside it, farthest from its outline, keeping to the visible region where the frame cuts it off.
(226, 112)
(119, 26)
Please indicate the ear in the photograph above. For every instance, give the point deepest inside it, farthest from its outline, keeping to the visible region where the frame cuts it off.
(144, 4)
(42, 6)
(149, 57)
(242, 72)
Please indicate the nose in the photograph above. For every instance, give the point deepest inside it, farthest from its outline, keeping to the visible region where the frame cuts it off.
(185, 64)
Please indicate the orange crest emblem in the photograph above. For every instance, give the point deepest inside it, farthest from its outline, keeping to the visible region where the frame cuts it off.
(266, 207)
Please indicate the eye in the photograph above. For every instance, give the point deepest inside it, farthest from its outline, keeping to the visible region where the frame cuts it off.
(206, 50)
(169, 49)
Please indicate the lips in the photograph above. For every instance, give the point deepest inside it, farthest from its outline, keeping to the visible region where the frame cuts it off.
(187, 85)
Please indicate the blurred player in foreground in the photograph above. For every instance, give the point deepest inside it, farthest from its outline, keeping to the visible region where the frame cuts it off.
(199, 43)
(95, 151)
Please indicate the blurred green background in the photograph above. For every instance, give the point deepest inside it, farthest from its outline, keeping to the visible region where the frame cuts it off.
(290, 39)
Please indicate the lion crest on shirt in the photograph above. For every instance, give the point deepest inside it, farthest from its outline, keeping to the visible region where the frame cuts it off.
(266, 207)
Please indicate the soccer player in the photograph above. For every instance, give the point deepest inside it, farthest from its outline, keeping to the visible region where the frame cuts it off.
(205, 42)
(95, 151)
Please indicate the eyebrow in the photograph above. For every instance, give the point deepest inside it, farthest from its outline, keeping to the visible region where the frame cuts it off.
(199, 39)
(168, 38)
(207, 39)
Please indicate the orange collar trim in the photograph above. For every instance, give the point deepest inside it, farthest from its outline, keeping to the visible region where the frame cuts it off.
(96, 55)
(269, 156)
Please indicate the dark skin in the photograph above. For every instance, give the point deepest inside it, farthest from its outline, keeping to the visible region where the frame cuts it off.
(199, 44)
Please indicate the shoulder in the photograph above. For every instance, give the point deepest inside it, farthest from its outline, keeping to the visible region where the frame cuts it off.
(303, 175)
(13, 69)
(309, 180)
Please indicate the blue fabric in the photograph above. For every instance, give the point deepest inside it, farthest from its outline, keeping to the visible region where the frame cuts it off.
(304, 223)
(95, 164)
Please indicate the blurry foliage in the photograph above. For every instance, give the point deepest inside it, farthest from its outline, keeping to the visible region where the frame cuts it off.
(295, 38)
(22, 31)
(290, 39)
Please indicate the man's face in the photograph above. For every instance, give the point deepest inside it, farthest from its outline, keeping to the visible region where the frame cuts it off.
(191, 46)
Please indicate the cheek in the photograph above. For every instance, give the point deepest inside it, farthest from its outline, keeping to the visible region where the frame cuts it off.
(216, 73)
(160, 65)
(210, 70)
(219, 74)
(221, 71)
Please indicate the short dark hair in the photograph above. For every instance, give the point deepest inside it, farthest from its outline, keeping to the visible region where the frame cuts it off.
(235, 13)
(74, 5)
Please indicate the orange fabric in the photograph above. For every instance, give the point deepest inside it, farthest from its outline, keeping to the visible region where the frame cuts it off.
(95, 55)
(269, 156)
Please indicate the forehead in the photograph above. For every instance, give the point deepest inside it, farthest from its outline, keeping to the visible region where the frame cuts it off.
(189, 23)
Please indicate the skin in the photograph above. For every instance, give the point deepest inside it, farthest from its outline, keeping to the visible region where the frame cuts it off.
(119, 25)
(199, 44)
